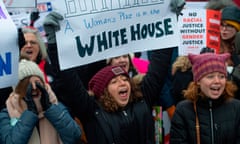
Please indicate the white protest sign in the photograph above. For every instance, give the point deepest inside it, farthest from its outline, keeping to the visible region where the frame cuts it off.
(21, 17)
(95, 30)
(20, 11)
(199, 28)
(195, 5)
(20, 3)
(9, 51)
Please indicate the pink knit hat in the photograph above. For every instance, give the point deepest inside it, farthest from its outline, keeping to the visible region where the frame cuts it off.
(101, 79)
(206, 63)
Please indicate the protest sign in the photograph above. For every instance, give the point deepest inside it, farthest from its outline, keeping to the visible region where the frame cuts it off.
(95, 30)
(20, 3)
(9, 51)
(199, 28)
(20, 10)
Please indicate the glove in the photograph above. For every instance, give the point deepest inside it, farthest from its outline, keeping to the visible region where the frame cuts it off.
(51, 25)
(21, 39)
(34, 16)
(45, 102)
(29, 100)
(177, 6)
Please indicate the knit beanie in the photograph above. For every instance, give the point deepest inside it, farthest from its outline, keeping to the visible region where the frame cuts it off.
(101, 79)
(234, 24)
(28, 68)
(231, 14)
(206, 63)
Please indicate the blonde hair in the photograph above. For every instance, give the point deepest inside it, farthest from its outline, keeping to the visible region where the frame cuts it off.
(182, 63)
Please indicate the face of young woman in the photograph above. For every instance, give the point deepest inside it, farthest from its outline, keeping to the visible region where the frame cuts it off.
(227, 31)
(119, 88)
(213, 84)
(31, 48)
(122, 61)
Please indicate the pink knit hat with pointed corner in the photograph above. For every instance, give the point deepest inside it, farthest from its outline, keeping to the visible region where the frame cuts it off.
(206, 63)
(101, 79)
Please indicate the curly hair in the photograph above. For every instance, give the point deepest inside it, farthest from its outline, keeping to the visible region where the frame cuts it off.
(193, 92)
(182, 63)
(110, 105)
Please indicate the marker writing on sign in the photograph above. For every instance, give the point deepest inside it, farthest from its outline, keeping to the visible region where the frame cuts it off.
(5, 64)
(2, 15)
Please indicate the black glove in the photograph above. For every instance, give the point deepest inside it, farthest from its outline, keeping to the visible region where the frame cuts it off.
(21, 39)
(51, 25)
(177, 6)
(45, 102)
(34, 16)
(29, 100)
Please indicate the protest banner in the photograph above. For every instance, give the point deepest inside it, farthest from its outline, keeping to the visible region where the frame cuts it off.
(9, 51)
(199, 28)
(95, 30)
(20, 10)
(20, 3)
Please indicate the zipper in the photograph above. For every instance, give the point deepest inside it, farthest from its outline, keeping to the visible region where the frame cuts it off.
(126, 116)
(211, 121)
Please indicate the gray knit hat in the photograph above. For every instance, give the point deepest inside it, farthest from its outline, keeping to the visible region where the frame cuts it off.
(28, 68)
(231, 13)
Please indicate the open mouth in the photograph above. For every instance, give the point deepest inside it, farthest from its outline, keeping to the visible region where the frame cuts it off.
(123, 93)
(29, 52)
(215, 89)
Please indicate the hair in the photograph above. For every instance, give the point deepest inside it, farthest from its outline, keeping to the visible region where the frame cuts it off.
(42, 47)
(182, 63)
(237, 43)
(110, 105)
(228, 46)
(21, 87)
(193, 92)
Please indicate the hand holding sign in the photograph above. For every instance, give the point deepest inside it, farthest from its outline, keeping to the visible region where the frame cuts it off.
(177, 6)
(51, 25)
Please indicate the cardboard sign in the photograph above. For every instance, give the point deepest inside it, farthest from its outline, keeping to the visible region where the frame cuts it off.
(20, 3)
(96, 30)
(199, 28)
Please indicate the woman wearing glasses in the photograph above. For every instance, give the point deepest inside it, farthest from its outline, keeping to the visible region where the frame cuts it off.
(229, 30)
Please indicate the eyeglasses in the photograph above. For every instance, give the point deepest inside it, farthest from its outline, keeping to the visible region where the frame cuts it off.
(32, 43)
(226, 26)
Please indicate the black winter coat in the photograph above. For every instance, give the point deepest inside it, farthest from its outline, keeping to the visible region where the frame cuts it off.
(131, 125)
(223, 129)
(180, 82)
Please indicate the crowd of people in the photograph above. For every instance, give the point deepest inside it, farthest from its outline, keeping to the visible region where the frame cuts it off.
(109, 101)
